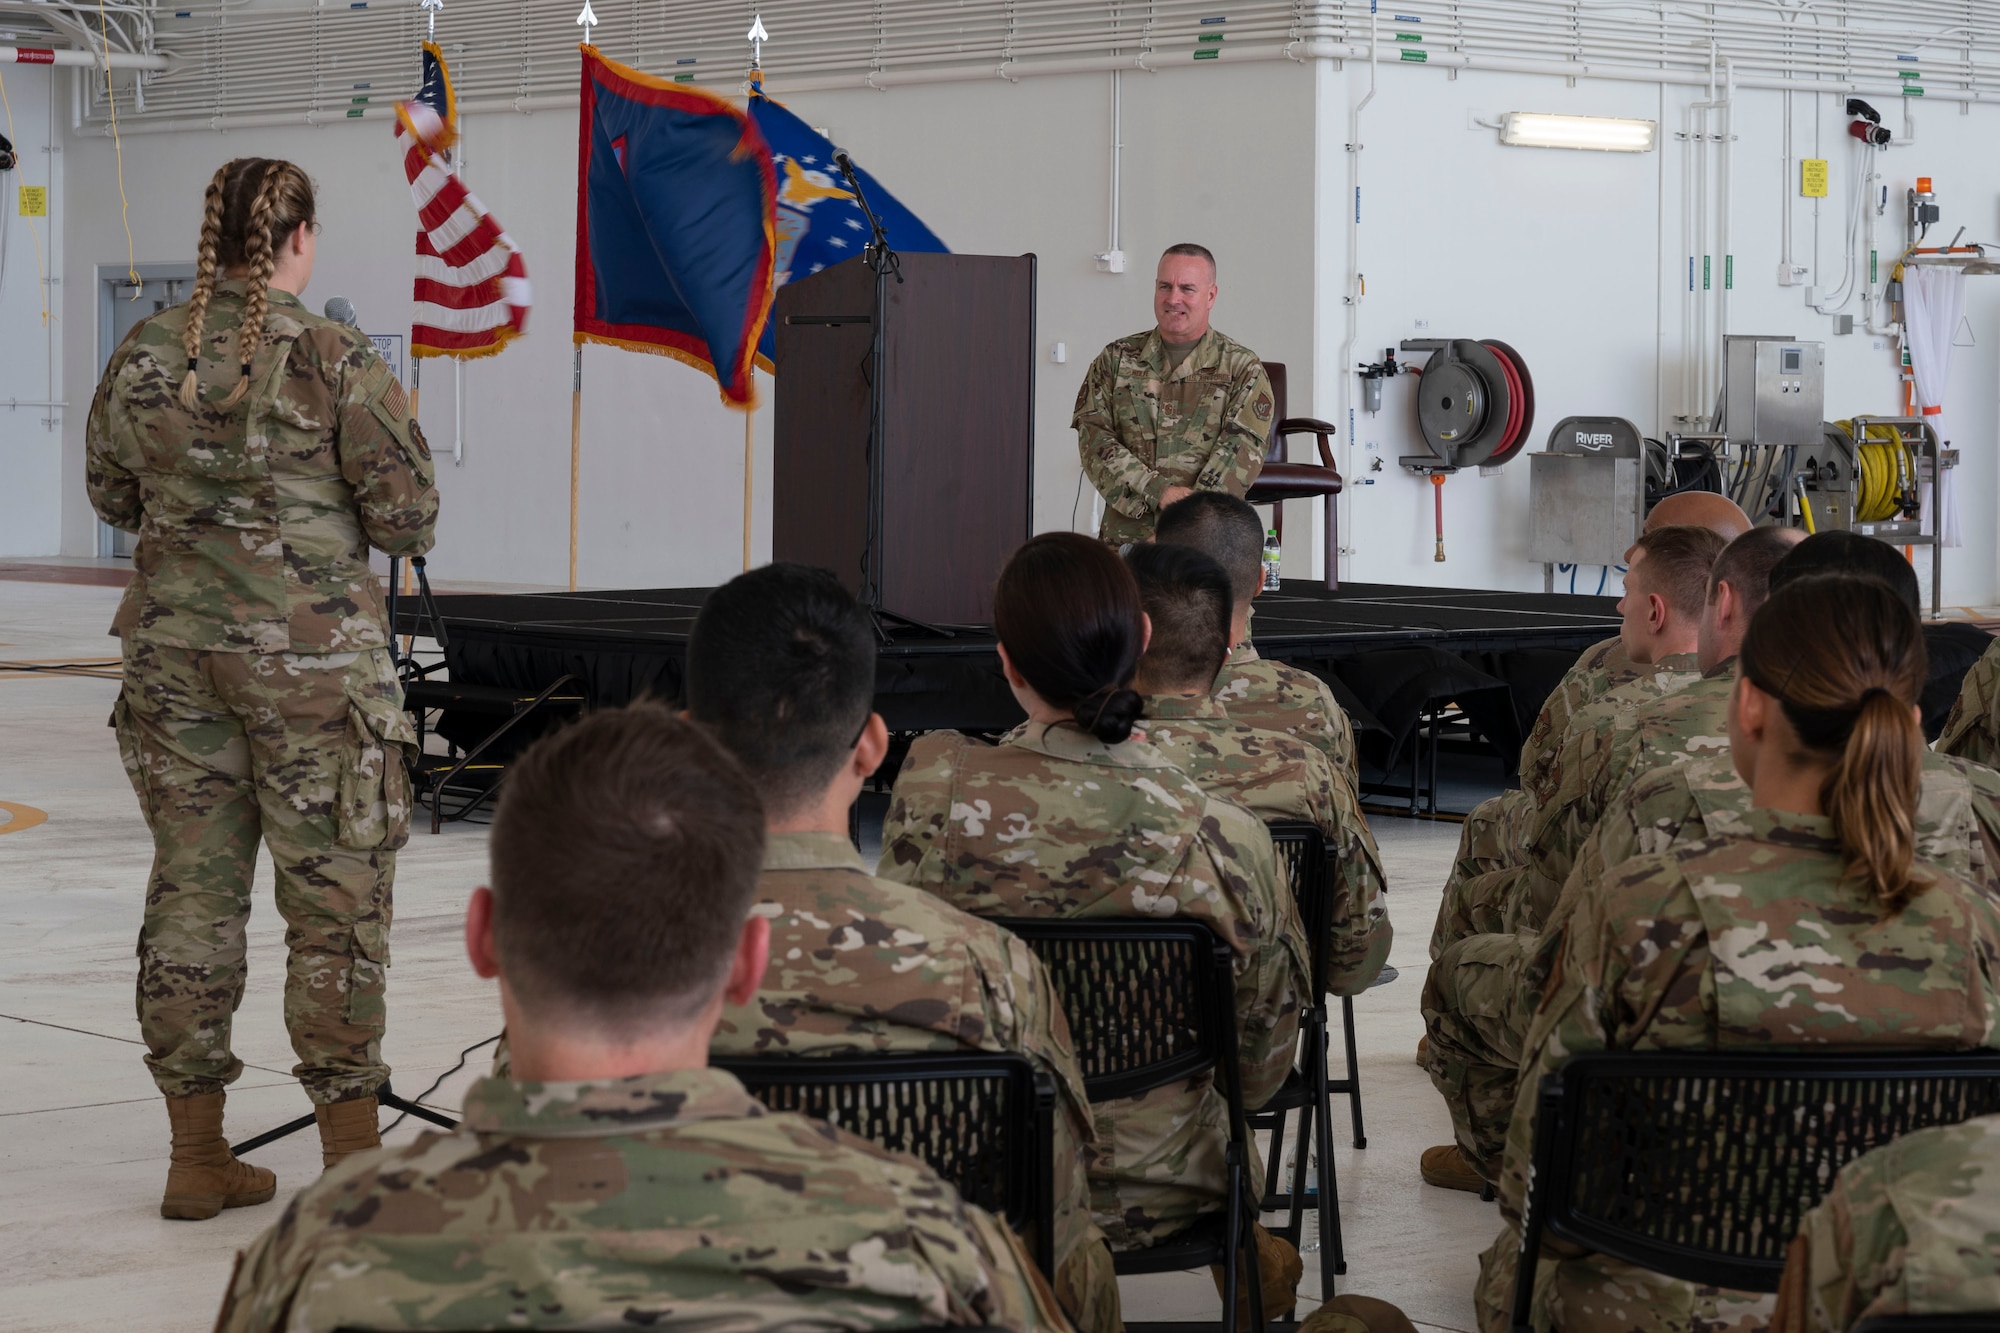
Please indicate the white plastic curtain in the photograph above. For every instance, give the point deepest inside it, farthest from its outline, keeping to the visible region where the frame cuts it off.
(1933, 305)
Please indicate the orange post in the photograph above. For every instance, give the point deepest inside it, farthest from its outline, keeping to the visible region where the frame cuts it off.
(1437, 494)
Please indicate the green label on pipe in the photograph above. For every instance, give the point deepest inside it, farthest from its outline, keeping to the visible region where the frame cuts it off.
(1409, 37)
(1416, 57)
(1871, 266)
(358, 101)
(1704, 273)
(354, 113)
(1209, 37)
(1729, 273)
(1911, 90)
(1208, 53)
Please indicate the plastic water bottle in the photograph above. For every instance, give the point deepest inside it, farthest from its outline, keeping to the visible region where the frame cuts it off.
(1273, 557)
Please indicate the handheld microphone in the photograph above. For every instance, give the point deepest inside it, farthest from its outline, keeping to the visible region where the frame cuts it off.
(341, 311)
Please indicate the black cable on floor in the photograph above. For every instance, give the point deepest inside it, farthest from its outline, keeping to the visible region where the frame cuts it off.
(438, 1082)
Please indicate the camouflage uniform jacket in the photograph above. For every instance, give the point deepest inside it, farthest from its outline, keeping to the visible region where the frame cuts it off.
(659, 1200)
(1276, 777)
(1973, 729)
(1143, 425)
(861, 965)
(1276, 696)
(1910, 1228)
(1599, 671)
(1957, 831)
(1609, 744)
(1751, 938)
(254, 522)
(1053, 822)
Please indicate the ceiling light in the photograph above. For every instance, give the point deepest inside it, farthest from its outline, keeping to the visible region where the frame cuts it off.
(1609, 134)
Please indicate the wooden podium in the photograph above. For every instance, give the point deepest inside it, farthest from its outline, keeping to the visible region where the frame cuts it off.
(957, 474)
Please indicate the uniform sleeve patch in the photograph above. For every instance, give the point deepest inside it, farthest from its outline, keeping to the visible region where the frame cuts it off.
(1262, 407)
(398, 402)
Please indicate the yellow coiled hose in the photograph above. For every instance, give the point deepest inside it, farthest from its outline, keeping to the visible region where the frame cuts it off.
(1884, 472)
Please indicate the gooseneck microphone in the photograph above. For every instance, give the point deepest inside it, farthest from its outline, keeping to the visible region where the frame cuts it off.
(341, 311)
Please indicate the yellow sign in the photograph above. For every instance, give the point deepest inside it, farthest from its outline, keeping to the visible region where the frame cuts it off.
(34, 201)
(1812, 178)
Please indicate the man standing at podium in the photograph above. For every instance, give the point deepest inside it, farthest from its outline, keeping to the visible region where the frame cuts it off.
(1177, 409)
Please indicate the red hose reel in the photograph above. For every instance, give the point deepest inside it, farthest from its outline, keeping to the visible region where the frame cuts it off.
(1475, 407)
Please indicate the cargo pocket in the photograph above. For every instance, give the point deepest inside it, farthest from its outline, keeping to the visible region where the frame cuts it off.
(129, 754)
(366, 1002)
(375, 775)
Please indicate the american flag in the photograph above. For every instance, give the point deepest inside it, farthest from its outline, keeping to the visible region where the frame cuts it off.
(472, 286)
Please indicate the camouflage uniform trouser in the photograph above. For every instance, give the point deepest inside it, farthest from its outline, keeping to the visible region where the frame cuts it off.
(1592, 1293)
(1476, 1018)
(1491, 844)
(306, 753)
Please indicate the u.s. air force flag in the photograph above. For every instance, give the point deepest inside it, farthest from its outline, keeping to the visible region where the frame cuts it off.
(818, 222)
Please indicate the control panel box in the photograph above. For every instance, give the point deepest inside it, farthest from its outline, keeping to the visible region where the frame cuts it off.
(1773, 391)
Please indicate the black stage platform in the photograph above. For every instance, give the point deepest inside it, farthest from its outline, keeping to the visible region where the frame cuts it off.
(1387, 651)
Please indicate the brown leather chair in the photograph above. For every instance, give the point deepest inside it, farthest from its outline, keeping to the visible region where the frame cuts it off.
(1283, 479)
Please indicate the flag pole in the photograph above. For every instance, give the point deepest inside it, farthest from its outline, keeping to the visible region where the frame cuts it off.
(575, 455)
(749, 459)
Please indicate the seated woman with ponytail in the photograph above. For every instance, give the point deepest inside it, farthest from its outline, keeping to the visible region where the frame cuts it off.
(1072, 814)
(1806, 923)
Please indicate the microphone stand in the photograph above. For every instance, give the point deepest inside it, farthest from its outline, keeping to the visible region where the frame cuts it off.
(884, 263)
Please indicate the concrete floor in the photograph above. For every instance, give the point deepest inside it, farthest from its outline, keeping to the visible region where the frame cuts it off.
(83, 1139)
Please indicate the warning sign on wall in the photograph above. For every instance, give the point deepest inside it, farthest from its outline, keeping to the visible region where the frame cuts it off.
(1812, 177)
(34, 201)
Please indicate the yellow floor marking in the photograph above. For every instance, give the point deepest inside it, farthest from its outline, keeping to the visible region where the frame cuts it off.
(21, 817)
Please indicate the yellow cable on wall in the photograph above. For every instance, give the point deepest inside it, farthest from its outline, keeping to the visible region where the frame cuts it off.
(117, 147)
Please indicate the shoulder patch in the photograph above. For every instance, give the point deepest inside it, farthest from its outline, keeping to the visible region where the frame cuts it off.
(396, 400)
(1262, 407)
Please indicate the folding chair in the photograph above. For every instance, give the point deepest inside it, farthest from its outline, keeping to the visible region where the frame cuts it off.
(1151, 1003)
(1979, 1321)
(1308, 866)
(1699, 1165)
(983, 1121)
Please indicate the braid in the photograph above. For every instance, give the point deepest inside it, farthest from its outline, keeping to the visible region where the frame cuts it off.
(261, 255)
(204, 283)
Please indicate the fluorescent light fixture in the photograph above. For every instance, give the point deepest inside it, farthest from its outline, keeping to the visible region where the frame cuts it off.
(1607, 134)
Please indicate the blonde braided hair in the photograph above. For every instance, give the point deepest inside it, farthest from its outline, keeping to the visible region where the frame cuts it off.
(204, 282)
(254, 205)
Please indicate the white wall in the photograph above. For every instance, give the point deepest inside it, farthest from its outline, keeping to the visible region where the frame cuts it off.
(1561, 254)
(1576, 260)
(998, 168)
(31, 457)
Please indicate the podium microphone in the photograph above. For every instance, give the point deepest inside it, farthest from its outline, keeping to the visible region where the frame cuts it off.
(341, 311)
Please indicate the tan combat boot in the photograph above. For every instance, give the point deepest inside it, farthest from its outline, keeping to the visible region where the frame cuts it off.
(346, 1128)
(1447, 1167)
(1280, 1267)
(203, 1176)
(1357, 1314)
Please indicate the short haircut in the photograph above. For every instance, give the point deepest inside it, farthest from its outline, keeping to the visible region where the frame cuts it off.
(1190, 602)
(1678, 560)
(1851, 554)
(1746, 563)
(781, 668)
(1223, 528)
(626, 853)
(1193, 251)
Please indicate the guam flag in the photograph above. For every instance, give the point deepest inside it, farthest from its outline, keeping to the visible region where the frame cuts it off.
(818, 222)
(676, 193)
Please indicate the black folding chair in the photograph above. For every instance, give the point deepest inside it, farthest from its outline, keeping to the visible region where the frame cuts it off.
(983, 1121)
(1308, 866)
(1977, 1321)
(1152, 1003)
(1700, 1165)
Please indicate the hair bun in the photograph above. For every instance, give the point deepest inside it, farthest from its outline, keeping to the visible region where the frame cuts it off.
(1110, 713)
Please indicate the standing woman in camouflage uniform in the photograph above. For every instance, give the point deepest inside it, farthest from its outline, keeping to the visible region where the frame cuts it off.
(1805, 922)
(259, 451)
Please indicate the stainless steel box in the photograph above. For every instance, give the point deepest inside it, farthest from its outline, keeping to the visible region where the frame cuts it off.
(1585, 510)
(1773, 391)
